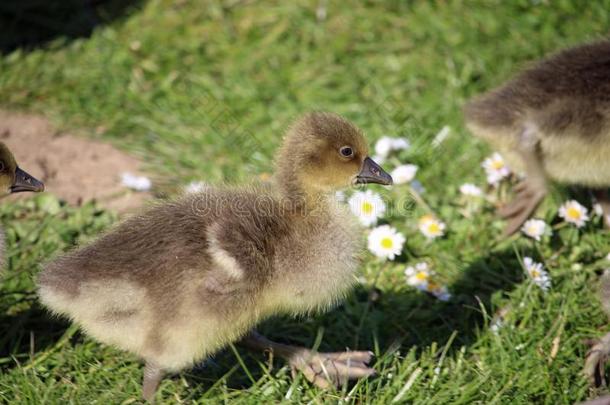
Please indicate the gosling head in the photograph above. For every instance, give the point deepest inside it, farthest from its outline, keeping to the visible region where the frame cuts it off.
(12, 178)
(323, 152)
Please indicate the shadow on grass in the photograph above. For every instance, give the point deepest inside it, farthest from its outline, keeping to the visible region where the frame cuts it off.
(425, 320)
(26, 333)
(387, 320)
(33, 23)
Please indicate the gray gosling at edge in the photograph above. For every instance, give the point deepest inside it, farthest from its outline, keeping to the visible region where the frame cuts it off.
(599, 349)
(13, 180)
(183, 279)
(551, 121)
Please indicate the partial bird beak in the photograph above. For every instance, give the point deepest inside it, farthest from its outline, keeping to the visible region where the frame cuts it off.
(371, 172)
(25, 182)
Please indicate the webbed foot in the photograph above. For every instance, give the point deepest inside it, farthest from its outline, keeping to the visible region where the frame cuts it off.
(528, 197)
(595, 360)
(331, 369)
(322, 369)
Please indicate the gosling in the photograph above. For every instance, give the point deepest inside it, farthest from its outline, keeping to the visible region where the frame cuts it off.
(13, 180)
(182, 280)
(552, 121)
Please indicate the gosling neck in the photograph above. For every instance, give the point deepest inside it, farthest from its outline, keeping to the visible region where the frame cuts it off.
(298, 194)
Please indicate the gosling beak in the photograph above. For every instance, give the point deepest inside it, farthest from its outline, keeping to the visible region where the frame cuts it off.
(371, 172)
(25, 182)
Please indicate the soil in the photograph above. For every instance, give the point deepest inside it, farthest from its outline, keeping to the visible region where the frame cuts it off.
(73, 168)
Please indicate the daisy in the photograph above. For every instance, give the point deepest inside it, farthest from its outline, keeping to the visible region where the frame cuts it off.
(535, 228)
(367, 206)
(404, 174)
(400, 144)
(495, 168)
(385, 242)
(431, 227)
(383, 147)
(386, 144)
(471, 190)
(418, 276)
(571, 211)
(537, 273)
(138, 183)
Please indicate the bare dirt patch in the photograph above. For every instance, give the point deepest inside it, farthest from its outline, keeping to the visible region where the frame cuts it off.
(75, 169)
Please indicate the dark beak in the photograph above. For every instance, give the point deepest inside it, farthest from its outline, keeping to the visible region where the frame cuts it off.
(371, 172)
(25, 182)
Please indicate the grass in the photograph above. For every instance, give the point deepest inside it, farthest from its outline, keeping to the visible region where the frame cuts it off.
(204, 91)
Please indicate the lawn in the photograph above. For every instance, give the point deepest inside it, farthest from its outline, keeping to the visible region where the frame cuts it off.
(204, 90)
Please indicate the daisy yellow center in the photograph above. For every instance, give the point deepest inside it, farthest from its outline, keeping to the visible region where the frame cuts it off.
(421, 276)
(535, 274)
(497, 164)
(367, 208)
(573, 213)
(387, 243)
(433, 227)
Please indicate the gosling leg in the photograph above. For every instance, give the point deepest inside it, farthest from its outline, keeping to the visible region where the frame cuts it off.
(530, 191)
(597, 356)
(322, 369)
(152, 377)
(595, 360)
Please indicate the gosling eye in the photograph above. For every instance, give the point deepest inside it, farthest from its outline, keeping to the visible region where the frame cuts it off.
(2, 167)
(346, 151)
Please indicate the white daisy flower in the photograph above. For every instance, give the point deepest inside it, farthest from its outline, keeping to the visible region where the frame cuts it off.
(471, 190)
(383, 147)
(385, 242)
(418, 276)
(537, 273)
(608, 257)
(138, 183)
(495, 168)
(431, 227)
(573, 212)
(367, 206)
(404, 174)
(195, 187)
(535, 228)
(400, 144)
